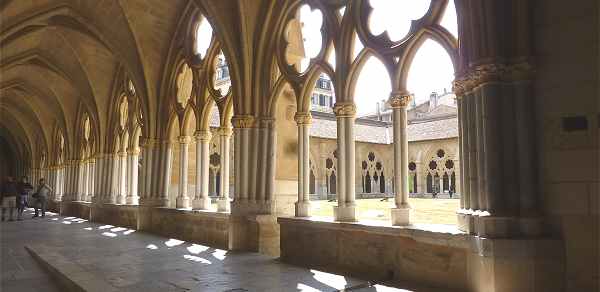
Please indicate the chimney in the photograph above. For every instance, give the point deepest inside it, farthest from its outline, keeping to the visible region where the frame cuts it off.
(378, 110)
(433, 100)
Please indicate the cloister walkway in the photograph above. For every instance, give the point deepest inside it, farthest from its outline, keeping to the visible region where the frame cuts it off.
(105, 258)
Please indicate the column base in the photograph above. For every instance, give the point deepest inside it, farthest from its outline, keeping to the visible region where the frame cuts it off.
(201, 204)
(400, 216)
(132, 200)
(182, 202)
(344, 213)
(223, 205)
(302, 209)
(488, 226)
(465, 221)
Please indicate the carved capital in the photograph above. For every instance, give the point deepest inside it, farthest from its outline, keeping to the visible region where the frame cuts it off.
(303, 118)
(224, 131)
(398, 99)
(203, 135)
(345, 109)
(493, 72)
(184, 139)
(245, 121)
(266, 122)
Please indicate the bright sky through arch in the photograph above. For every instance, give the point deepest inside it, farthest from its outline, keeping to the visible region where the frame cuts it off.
(431, 69)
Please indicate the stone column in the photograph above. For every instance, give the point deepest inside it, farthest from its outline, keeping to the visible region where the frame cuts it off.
(401, 213)
(91, 178)
(346, 208)
(223, 202)
(303, 204)
(167, 163)
(121, 177)
(132, 190)
(201, 199)
(182, 197)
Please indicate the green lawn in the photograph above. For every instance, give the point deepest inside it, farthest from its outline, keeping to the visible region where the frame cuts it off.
(430, 211)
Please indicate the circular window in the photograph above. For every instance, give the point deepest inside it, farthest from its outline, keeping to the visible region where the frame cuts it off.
(449, 164)
(215, 159)
(433, 165)
(364, 165)
(378, 165)
(328, 163)
(412, 166)
(441, 153)
(371, 156)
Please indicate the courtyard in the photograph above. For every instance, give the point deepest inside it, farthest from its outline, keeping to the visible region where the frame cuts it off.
(424, 210)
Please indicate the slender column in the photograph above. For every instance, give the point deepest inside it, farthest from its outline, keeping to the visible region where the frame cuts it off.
(183, 200)
(223, 202)
(113, 183)
(401, 213)
(303, 121)
(346, 208)
(167, 163)
(91, 178)
(132, 175)
(201, 200)
(121, 175)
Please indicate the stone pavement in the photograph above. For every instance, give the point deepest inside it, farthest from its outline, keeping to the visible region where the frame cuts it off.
(109, 258)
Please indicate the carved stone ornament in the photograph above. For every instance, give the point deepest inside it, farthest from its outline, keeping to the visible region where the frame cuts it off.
(398, 100)
(225, 131)
(342, 110)
(266, 122)
(242, 121)
(203, 135)
(303, 118)
(184, 139)
(493, 72)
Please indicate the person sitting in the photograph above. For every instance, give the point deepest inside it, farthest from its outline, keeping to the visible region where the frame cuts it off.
(23, 190)
(9, 198)
(41, 196)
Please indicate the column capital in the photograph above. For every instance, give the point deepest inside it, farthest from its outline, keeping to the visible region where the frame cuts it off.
(517, 70)
(202, 135)
(265, 122)
(184, 139)
(224, 131)
(344, 109)
(400, 99)
(303, 118)
(243, 121)
(149, 142)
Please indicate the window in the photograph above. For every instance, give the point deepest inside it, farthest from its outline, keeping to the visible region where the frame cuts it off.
(321, 99)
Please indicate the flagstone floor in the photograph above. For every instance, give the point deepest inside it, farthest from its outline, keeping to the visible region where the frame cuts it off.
(112, 258)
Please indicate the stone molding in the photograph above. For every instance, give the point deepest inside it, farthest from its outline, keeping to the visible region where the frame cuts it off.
(399, 100)
(493, 72)
(344, 109)
(303, 118)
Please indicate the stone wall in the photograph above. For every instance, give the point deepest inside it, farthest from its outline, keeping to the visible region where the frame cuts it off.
(203, 227)
(441, 258)
(76, 209)
(567, 85)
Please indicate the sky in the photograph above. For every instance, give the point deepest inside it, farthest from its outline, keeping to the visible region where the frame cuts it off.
(431, 69)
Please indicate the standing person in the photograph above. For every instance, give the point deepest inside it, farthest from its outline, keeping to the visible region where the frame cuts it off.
(9, 198)
(43, 191)
(23, 189)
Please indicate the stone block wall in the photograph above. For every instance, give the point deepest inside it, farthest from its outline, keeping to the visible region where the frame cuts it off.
(451, 260)
(567, 85)
(208, 228)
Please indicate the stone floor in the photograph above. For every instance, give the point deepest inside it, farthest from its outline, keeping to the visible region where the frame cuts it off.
(120, 259)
